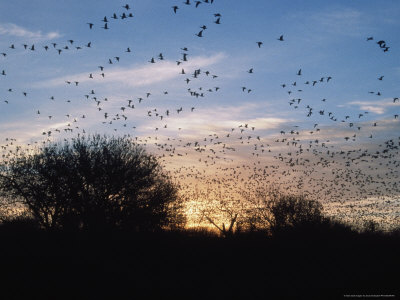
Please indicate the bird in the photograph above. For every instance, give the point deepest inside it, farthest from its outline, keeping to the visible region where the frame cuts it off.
(299, 73)
(259, 44)
(90, 25)
(381, 43)
(175, 8)
(280, 38)
(200, 34)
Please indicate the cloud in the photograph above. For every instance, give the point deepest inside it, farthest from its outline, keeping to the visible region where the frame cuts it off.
(375, 107)
(18, 31)
(25, 132)
(220, 120)
(143, 75)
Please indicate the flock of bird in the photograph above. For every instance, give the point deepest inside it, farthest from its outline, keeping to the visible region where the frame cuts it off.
(238, 161)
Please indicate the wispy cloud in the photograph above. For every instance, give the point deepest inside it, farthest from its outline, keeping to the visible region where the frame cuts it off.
(202, 122)
(10, 29)
(25, 132)
(375, 107)
(143, 75)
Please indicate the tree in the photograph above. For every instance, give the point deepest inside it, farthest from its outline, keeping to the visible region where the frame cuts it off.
(295, 212)
(273, 211)
(220, 209)
(92, 183)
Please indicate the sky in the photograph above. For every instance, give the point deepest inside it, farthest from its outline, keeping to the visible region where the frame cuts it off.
(252, 114)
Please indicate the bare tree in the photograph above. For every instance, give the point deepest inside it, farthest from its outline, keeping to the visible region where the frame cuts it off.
(222, 210)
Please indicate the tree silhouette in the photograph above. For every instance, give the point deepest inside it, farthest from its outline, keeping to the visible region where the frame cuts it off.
(93, 183)
(221, 210)
(294, 212)
(273, 211)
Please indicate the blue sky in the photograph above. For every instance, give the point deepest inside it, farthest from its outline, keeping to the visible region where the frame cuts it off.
(322, 38)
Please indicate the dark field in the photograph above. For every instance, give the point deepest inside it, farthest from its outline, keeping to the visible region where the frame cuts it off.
(328, 263)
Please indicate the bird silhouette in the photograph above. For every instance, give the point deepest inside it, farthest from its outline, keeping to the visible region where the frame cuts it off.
(200, 34)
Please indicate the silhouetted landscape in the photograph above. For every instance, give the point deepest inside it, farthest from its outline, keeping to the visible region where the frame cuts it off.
(85, 234)
(329, 262)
